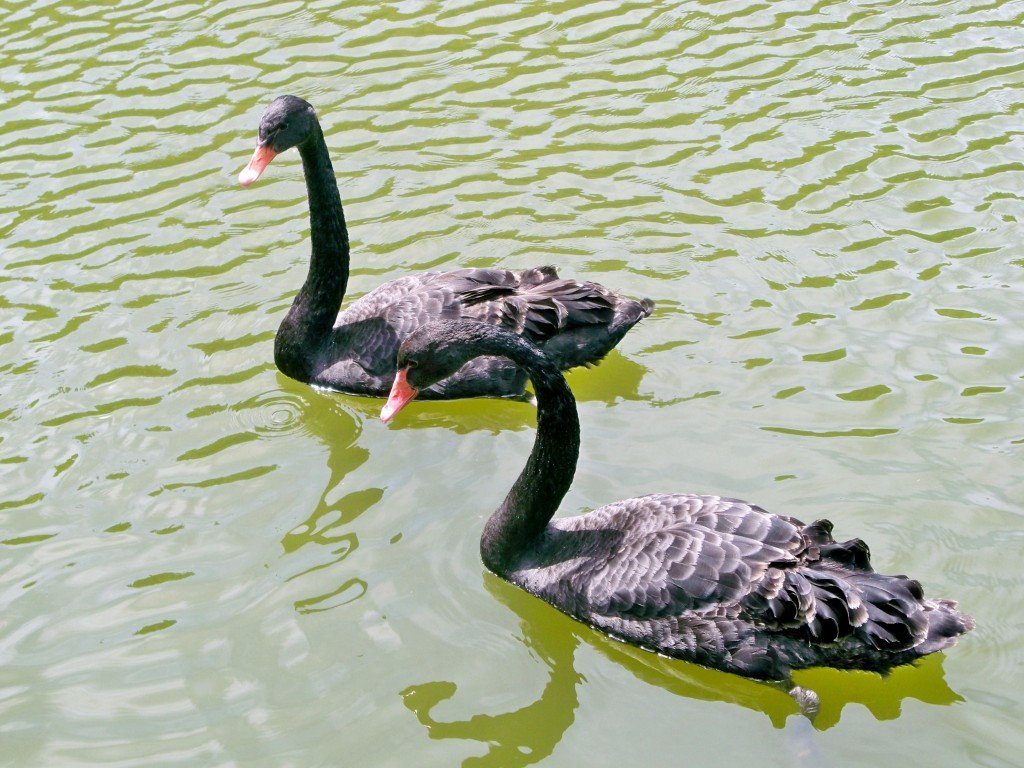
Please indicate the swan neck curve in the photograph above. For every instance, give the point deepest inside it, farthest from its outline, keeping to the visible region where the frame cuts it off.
(308, 324)
(327, 228)
(514, 528)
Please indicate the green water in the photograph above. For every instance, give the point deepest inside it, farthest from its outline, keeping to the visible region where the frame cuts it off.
(204, 563)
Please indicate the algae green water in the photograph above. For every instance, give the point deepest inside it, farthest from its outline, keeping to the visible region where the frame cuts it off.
(204, 563)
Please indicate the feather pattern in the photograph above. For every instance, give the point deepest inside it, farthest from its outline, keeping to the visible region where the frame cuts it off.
(581, 320)
(724, 583)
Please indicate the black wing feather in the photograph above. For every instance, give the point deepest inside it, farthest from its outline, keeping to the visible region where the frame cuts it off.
(727, 584)
(577, 323)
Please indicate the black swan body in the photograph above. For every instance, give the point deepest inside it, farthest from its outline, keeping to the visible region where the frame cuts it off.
(707, 579)
(575, 322)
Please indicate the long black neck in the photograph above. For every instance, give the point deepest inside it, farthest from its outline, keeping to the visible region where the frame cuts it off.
(308, 324)
(540, 487)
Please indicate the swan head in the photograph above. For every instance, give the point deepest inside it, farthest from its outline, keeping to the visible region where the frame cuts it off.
(435, 352)
(287, 122)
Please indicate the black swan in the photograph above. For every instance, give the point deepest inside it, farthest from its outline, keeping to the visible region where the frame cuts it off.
(712, 580)
(576, 323)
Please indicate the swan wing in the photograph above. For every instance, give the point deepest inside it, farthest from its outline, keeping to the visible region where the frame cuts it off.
(681, 552)
(577, 322)
(725, 558)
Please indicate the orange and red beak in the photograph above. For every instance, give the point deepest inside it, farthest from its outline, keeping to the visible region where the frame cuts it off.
(401, 393)
(260, 160)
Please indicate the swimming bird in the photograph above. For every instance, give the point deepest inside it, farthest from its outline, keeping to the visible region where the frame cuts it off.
(575, 322)
(709, 579)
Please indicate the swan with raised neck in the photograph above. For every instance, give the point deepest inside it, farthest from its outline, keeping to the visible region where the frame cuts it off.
(354, 350)
(708, 579)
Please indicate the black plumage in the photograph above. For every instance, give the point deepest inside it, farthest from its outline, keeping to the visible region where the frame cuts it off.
(575, 322)
(708, 579)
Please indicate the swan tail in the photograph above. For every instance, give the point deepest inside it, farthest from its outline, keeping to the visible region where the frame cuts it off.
(575, 322)
(808, 603)
(892, 615)
(595, 320)
(945, 625)
(834, 594)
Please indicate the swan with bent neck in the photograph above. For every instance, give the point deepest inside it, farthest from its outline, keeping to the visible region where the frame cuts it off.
(575, 322)
(708, 579)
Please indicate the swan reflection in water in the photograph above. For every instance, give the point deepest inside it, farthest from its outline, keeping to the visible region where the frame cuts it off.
(529, 734)
(326, 536)
(337, 421)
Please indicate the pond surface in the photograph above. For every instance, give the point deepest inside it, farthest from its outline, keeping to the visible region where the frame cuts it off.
(205, 563)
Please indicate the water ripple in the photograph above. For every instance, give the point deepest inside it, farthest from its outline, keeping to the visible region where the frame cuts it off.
(823, 198)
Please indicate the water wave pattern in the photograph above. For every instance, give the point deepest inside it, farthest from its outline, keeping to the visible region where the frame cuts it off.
(205, 563)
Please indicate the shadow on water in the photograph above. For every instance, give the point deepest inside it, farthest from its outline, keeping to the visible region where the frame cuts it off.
(882, 696)
(527, 735)
(619, 379)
